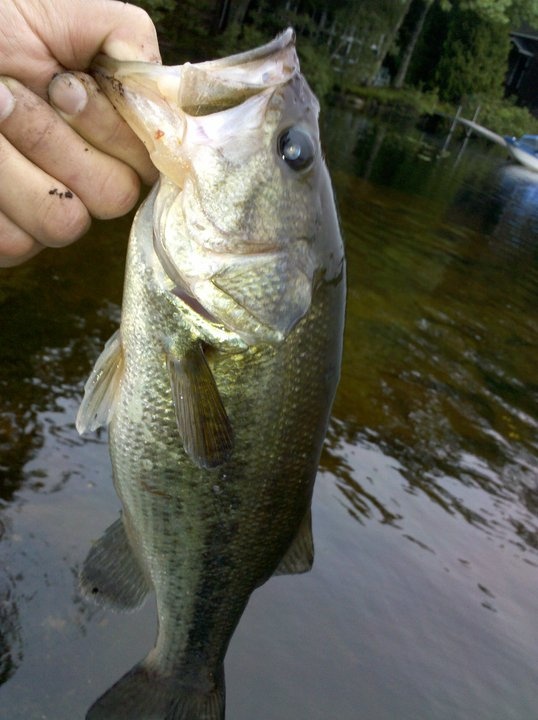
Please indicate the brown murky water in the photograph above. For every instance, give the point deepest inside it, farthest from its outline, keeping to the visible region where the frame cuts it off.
(423, 599)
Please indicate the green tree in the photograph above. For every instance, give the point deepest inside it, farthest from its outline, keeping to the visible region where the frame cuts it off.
(260, 21)
(494, 17)
(474, 57)
(186, 29)
(503, 11)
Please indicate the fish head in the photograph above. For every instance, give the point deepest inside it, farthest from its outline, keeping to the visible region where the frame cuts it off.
(244, 220)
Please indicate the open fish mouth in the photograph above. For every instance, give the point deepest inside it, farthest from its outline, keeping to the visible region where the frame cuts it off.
(238, 77)
(206, 87)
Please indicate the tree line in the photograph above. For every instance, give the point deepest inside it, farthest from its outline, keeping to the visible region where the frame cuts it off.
(457, 48)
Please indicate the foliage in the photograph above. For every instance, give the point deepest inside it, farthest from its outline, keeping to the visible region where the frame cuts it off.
(524, 11)
(429, 46)
(505, 118)
(262, 24)
(373, 26)
(461, 54)
(158, 9)
(502, 11)
(259, 26)
(316, 67)
(186, 29)
(501, 116)
(410, 100)
(474, 57)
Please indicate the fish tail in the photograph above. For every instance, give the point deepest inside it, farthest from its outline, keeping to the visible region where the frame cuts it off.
(144, 694)
(196, 705)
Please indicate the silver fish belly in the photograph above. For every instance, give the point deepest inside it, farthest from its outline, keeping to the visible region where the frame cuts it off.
(218, 386)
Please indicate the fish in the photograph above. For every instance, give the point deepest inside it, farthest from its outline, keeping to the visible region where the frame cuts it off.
(218, 385)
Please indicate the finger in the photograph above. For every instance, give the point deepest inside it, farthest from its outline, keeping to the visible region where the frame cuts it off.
(36, 203)
(16, 246)
(48, 37)
(76, 30)
(118, 29)
(106, 186)
(88, 111)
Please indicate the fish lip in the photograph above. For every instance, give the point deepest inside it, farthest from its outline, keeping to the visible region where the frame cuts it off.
(268, 66)
(254, 70)
(104, 65)
(283, 41)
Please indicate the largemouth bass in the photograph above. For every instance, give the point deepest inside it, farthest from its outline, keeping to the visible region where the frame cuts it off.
(218, 385)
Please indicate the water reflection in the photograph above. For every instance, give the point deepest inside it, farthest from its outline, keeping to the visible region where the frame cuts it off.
(440, 364)
(425, 514)
(10, 639)
(55, 313)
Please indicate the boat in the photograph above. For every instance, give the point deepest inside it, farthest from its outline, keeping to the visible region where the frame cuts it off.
(524, 149)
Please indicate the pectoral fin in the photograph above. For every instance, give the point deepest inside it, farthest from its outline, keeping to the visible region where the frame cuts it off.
(300, 555)
(111, 574)
(203, 424)
(101, 388)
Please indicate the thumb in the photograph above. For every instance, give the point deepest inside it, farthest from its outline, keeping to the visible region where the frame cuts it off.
(121, 30)
(50, 36)
(118, 29)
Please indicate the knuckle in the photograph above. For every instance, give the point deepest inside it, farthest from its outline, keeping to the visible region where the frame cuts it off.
(64, 220)
(116, 133)
(144, 29)
(38, 137)
(33, 128)
(119, 194)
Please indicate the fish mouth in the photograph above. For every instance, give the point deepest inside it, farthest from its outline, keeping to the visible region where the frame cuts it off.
(281, 42)
(153, 98)
(246, 73)
(217, 85)
(259, 68)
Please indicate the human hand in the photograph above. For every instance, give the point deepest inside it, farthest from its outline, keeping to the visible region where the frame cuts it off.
(59, 167)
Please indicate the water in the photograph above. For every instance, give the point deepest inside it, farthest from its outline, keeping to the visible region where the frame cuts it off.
(422, 602)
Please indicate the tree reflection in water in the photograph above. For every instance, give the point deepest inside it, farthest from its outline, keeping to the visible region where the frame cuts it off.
(435, 422)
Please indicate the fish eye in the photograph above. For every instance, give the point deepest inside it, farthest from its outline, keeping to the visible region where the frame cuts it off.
(296, 148)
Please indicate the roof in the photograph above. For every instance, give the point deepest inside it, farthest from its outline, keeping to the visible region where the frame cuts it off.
(526, 32)
(523, 45)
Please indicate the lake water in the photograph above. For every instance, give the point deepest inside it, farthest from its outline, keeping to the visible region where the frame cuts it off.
(422, 603)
